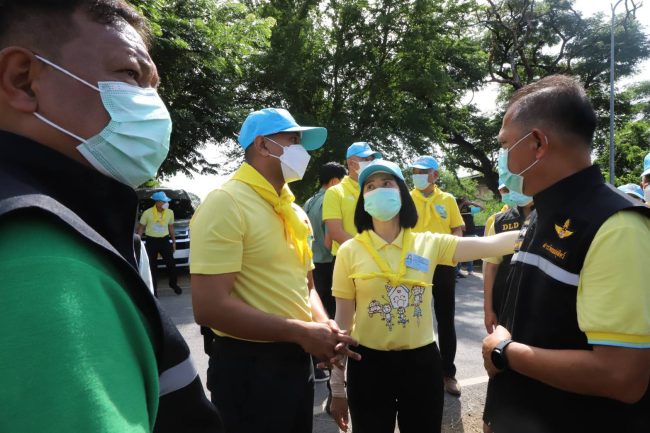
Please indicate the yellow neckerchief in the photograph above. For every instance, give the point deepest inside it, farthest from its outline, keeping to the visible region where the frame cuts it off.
(351, 186)
(156, 218)
(428, 205)
(296, 230)
(395, 278)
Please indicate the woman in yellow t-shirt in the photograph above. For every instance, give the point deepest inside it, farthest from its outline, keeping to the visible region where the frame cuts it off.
(380, 285)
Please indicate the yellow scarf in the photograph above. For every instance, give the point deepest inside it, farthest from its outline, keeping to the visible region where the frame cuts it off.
(395, 278)
(296, 230)
(429, 207)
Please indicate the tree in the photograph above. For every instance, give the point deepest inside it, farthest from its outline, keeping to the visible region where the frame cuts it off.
(632, 140)
(527, 40)
(201, 49)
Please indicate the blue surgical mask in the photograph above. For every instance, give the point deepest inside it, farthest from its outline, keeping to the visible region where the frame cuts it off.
(382, 203)
(519, 199)
(514, 182)
(421, 181)
(505, 198)
(135, 142)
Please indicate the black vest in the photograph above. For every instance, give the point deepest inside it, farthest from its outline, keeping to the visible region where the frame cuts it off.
(37, 180)
(543, 282)
(507, 221)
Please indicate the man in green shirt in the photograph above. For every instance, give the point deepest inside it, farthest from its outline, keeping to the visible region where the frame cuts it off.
(84, 346)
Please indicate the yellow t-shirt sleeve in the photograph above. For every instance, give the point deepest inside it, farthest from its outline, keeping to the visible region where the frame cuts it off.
(489, 224)
(613, 302)
(455, 218)
(491, 232)
(444, 248)
(342, 285)
(217, 236)
(170, 219)
(144, 219)
(332, 205)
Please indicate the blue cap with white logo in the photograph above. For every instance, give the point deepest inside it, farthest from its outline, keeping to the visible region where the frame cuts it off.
(380, 166)
(425, 163)
(646, 165)
(160, 196)
(270, 121)
(362, 150)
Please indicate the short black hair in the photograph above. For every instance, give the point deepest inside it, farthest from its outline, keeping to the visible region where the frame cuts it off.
(48, 23)
(558, 101)
(408, 214)
(329, 171)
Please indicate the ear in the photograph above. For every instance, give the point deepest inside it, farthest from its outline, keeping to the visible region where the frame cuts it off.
(259, 146)
(434, 176)
(540, 143)
(18, 71)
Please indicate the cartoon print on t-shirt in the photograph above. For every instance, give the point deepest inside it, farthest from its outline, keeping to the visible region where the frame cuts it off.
(398, 298)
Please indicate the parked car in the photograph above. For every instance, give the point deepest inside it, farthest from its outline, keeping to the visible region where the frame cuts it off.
(183, 204)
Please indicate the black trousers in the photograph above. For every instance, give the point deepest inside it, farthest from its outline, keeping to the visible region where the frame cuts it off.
(164, 247)
(444, 305)
(261, 387)
(323, 283)
(406, 384)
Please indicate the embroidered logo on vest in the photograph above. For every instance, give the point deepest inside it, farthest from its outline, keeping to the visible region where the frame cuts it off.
(564, 232)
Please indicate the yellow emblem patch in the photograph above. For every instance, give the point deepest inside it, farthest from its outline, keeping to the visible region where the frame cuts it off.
(564, 232)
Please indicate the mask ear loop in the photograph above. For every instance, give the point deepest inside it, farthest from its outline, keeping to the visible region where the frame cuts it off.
(68, 73)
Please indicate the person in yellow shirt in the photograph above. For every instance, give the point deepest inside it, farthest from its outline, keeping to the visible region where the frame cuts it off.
(381, 285)
(340, 200)
(157, 223)
(438, 212)
(250, 265)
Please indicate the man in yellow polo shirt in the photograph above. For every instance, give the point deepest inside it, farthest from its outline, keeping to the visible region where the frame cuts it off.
(251, 268)
(438, 213)
(157, 223)
(341, 200)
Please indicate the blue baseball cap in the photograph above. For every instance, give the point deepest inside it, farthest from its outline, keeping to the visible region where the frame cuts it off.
(362, 150)
(425, 163)
(632, 189)
(646, 165)
(270, 121)
(160, 196)
(380, 166)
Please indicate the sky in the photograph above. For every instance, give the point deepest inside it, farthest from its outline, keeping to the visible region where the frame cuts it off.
(485, 99)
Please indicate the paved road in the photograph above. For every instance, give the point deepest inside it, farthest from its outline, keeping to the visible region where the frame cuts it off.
(461, 414)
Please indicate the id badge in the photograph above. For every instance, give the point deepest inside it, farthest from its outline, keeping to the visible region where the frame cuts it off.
(416, 262)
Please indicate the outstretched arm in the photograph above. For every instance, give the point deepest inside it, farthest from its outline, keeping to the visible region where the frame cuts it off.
(491, 246)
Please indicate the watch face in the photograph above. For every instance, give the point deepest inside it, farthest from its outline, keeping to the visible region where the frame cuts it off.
(497, 359)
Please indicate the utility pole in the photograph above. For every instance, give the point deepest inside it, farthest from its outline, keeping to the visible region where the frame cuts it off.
(612, 177)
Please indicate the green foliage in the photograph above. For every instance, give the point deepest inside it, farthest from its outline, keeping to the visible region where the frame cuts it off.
(631, 143)
(201, 48)
(457, 187)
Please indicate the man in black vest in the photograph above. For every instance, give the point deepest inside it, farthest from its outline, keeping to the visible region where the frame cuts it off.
(85, 346)
(576, 355)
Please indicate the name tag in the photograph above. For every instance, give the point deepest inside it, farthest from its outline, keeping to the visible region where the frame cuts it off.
(416, 262)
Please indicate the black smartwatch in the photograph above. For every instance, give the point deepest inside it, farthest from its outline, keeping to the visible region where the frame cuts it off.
(498, 355)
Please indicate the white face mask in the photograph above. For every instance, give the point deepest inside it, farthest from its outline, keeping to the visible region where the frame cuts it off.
(362, 165)
(294, 161)
(165, 206)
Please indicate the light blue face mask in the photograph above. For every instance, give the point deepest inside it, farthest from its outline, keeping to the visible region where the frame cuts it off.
(518, 199)
(382, 203)
(421, 181)
(514, 182)
(135, 142)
